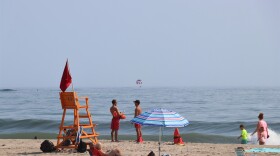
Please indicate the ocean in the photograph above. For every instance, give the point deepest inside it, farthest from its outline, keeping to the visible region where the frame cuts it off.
(214, 113)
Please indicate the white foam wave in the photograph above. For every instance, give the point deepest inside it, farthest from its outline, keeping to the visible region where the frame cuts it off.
(274, 138)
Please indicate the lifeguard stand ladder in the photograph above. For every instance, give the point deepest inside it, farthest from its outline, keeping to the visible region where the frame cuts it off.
(70, 100)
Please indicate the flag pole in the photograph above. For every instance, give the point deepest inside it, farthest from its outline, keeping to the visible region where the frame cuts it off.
(66, 79)
(72, 80)
(159, 140)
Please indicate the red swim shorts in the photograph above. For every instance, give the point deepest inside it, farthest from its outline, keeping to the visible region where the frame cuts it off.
(137, 125)
(115, 124)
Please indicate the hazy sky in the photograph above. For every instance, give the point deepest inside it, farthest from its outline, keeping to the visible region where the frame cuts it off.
(163, 42)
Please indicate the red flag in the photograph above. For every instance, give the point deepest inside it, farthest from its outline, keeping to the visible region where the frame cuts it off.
(66, 78)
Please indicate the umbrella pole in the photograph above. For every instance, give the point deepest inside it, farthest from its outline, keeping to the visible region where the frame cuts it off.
(159, 141)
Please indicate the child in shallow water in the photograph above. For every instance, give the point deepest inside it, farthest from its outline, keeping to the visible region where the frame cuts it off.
(243, 135)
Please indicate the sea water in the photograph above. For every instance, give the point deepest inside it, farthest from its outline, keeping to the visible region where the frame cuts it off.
(214, 113)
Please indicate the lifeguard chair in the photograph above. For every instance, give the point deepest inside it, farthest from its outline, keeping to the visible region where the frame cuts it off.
(81, 129)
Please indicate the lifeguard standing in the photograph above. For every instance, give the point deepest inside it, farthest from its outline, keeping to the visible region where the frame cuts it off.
(177, 138)
(115, 124)
(138, 111)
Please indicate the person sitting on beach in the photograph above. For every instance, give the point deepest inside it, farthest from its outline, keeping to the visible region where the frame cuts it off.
(95, 150)
(243, 135)
(115, 124)
(261, 124)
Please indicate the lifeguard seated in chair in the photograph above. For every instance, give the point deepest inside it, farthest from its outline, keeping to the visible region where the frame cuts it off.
(75, 132)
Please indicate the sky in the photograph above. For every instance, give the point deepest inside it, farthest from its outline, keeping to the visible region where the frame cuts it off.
(113, 43)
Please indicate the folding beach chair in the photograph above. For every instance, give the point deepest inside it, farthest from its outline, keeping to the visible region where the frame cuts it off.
(79, 129)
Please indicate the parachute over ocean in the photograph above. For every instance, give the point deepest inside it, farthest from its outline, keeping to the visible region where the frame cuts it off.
(139, 82)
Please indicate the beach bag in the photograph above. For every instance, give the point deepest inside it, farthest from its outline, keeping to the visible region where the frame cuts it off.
(67, 142)
(82, 147)
(47, 146)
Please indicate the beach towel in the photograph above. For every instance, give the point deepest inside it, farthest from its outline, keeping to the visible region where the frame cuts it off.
(79, 133)
(263, 150)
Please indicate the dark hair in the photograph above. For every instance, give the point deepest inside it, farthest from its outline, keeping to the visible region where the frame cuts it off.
(151, 154)
(241, 126)
(137, 102)
(114, 101)
(260, 116)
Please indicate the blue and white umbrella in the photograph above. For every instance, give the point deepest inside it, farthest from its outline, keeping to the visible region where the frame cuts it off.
(162, 118)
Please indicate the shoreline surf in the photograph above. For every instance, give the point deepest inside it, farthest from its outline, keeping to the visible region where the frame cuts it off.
(214, 113)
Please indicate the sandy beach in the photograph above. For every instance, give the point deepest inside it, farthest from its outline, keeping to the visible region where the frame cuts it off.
(130, 148)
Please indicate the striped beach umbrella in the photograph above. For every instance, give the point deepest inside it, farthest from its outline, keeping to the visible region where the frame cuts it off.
(162, 118)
